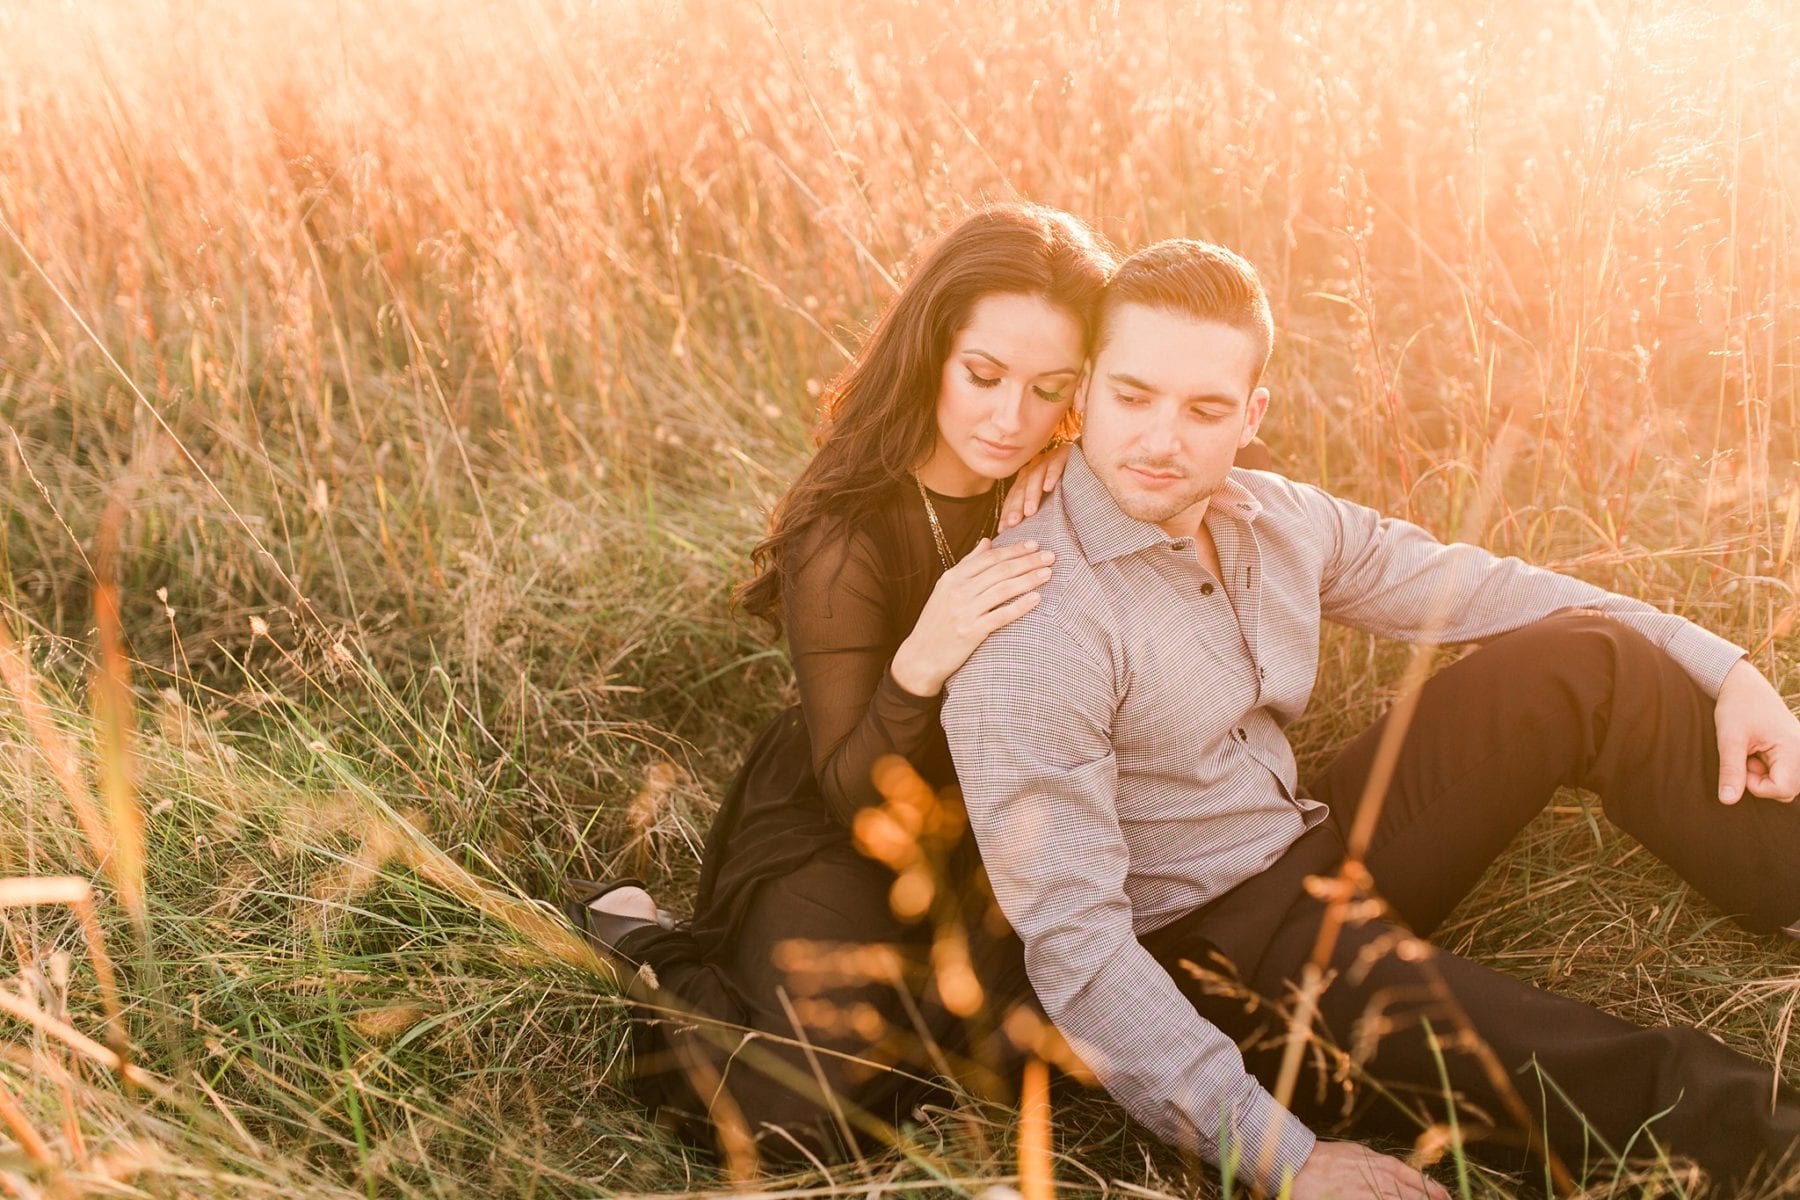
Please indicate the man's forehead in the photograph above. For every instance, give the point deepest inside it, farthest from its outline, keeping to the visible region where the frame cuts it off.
(1174, 352)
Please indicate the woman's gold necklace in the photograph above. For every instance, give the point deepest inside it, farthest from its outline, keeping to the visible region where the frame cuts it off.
(937, 531)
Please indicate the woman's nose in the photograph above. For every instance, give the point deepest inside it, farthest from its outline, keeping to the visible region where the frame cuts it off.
(1009, 414)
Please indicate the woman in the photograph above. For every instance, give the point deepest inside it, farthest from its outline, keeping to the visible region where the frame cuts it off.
(860, 975)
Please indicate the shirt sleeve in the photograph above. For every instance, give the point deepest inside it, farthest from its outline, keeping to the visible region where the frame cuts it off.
(836, 614)
(1039, 780)
(1391, 577)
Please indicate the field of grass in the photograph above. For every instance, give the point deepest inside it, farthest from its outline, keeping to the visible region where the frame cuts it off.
(390, 395)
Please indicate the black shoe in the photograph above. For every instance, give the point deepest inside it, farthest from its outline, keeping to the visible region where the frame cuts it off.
(603, 930)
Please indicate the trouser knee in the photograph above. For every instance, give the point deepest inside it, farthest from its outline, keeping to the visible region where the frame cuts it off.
(1582, 645)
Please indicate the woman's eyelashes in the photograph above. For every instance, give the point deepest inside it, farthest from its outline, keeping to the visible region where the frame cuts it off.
(990, 381)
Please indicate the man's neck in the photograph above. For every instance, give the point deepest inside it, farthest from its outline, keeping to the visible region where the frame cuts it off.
(1188, 522)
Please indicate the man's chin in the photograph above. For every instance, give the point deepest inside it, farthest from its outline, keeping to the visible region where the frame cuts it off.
(1152, 509)
(1155, 507)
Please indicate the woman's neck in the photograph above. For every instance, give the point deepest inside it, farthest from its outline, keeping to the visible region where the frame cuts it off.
(952, 477)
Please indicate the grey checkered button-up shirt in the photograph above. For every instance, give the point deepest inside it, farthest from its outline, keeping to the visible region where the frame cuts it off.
(1121, 753)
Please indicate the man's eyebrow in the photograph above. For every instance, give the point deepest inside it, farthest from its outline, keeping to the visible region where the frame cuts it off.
(1130, 381)
(1075, 370)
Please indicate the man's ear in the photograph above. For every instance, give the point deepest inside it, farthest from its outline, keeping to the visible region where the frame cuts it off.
(1081, 387)
(1254, 412)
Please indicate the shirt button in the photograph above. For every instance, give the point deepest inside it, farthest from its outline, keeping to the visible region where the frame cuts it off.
(1241, 735)
(1206, 589)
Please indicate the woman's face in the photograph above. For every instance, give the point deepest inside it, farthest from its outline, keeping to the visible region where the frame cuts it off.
(1005, 386)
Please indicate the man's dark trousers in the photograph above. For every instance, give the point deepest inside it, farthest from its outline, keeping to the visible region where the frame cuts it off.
(1574, 700)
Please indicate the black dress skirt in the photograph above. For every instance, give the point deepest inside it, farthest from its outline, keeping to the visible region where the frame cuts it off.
(828, 982)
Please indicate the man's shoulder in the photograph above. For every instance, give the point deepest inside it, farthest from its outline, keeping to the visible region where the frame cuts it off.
(1071, 616)
(1272, 489)
(1049, 526)
(1292, 509)
(1071, 575)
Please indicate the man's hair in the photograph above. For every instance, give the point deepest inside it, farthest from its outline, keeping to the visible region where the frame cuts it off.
(1194, 279)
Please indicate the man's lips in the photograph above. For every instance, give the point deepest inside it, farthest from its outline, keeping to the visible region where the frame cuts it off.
(1151, 476)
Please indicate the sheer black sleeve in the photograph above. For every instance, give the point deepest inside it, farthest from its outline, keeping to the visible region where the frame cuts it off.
(840, 615)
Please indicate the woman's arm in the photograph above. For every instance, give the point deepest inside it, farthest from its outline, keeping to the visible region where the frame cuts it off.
(860, 698)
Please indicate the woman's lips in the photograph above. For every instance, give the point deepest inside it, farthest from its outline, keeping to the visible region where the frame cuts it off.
(997, 449)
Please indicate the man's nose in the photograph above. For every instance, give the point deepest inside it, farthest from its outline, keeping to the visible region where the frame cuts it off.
(1158, 435)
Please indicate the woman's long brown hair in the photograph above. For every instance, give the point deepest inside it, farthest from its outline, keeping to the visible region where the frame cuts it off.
(879, 416)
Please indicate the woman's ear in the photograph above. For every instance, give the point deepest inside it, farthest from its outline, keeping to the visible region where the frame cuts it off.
(1069, 428)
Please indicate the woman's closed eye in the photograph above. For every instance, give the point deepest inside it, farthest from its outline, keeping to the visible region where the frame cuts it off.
(993, 381)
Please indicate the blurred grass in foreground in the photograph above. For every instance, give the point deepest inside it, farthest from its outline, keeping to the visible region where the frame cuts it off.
(438, 363)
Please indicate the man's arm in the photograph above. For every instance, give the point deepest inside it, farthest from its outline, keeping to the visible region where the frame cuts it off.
(1035, 759)
(1391, 577)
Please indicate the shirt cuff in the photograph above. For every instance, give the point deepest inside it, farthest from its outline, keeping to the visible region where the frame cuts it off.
(1704, 655)
(890, 691)
(1262, 1128)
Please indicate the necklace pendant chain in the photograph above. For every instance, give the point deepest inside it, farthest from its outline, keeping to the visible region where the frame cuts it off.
(937, 530)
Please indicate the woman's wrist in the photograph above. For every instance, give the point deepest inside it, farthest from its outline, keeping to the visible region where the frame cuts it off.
(914, 679)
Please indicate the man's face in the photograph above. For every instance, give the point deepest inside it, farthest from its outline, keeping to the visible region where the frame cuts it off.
(1167, 408)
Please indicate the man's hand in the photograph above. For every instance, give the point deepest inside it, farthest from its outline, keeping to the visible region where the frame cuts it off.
(1348, 1171)
(1759, 739)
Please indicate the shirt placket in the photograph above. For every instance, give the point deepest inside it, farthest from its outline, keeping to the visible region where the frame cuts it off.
(1240, 558)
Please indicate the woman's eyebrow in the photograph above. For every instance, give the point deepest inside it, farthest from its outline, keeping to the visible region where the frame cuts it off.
(1076, 370)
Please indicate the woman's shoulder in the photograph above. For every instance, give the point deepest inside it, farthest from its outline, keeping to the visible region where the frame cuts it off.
(868, 536)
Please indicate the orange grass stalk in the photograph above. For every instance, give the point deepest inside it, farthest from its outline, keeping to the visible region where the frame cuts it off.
(113, 709)
(78, 894)
(27, 890)
(30, 1141)
(24, 1010)
(55, 749)
(1037, 1176)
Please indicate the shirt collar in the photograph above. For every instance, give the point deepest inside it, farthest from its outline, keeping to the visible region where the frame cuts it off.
(1102, 529)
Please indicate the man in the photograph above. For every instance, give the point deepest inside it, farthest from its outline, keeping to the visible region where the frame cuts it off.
(1121, 755)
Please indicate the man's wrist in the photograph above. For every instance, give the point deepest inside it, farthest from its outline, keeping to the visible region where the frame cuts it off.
(1272, 1143)
(1705, 656)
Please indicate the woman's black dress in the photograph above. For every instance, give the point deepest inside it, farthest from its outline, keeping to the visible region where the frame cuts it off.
(808, 1011)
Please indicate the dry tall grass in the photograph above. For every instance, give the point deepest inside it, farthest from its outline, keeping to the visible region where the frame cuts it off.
(439, 361)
